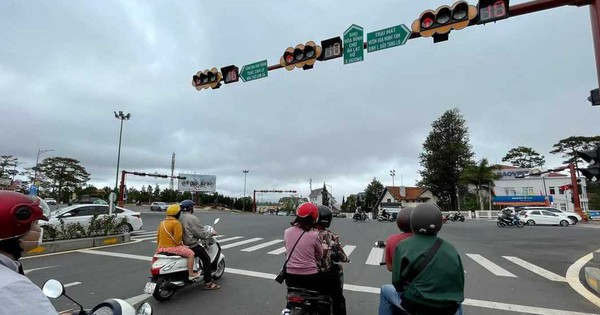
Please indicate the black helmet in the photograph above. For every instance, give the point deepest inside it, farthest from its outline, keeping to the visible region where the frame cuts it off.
(187, 205)
(325, 216)
(403, 219)
(426, 219)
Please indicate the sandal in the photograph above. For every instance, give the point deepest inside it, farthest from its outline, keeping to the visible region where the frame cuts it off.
(212, 286)
(194, 277)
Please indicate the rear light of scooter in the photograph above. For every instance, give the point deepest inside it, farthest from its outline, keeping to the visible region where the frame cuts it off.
(154, 271)
(296, 299)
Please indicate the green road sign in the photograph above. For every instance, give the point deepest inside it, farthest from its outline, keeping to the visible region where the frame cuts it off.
(388, 38)
(253, 71)
(353, 44)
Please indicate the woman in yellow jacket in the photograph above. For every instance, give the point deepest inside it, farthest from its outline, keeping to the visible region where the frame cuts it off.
(169, 239)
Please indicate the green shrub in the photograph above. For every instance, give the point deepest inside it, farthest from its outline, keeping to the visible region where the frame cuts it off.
(107, 225)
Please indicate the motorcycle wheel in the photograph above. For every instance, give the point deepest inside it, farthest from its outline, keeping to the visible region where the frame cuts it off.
(520, 224)
(500, 224)
(462, 219)
(220, 270)
(161, 292)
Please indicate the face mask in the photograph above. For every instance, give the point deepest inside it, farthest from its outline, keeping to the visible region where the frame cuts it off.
(32, 239)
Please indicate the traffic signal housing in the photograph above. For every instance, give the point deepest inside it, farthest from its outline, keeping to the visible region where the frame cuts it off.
(440, 22)
(302, 56)
(592, 172)
(207, 79)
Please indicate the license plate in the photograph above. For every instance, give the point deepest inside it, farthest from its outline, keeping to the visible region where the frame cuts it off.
(149, 287)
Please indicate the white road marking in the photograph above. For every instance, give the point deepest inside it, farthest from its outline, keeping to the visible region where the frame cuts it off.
(72, 284)
(573, 279)
(146, 238)
(241, 243)
(348, 249)
(113, 254)
(519, 308)
(138, 299)
(36, 269)
(493, 268)
(263, 245)
(375, 256)
(219, 236)
(278, 251)
(535, 269)
(142, 232)
(78, 250)
(230, 239)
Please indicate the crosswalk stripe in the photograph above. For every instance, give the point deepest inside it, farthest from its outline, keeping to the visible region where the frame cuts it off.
(493, 268)
(535, 269)
(259, 246)
(230, 239)
(219, 236)
(348, 249)
(145, 238)
(278, 251)
(241, 243)
(375, 256)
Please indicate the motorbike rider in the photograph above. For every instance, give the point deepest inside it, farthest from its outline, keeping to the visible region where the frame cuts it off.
(170, 239)
(385, 214)
(193, 232)
(403, 223)
(439, 287)
(330, 267)
(20, 232)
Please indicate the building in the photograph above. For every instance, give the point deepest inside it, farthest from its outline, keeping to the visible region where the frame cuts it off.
(316, 197)
(402, 196)
(536, 190)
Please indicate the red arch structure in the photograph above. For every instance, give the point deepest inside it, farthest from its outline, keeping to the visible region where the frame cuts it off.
(267, 191)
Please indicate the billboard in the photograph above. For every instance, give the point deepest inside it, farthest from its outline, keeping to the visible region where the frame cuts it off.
(197, 183)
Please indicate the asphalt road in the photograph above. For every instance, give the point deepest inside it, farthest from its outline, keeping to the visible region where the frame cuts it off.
(507, 271)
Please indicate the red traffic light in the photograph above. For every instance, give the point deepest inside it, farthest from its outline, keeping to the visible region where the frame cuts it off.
(427, 20)
(302, 56)
(440, 22)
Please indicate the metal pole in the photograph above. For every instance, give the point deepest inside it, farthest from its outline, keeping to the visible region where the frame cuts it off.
(545, 191)
(37, 161)
(595, 19)
(119, 153)
(490, 195)
(244, 200)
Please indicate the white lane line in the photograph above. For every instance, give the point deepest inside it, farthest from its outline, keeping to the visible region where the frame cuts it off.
(230, 239)
(219, 236)
(519, 308)
(146, 238)
(138, 299)
(375, 256)
(71, 284)
(278, 251)
(263, 245)
(493, 268)
(348, 249)
(573, 279)
(241, 243)
(535, 269)
(36, 269)
(120, 255)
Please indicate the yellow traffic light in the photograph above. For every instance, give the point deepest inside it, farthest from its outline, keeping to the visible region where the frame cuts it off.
(207, 79)
(302, 56)
(440, 22)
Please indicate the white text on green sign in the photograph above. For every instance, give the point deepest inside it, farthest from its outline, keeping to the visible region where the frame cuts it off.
(253, 71)
(388, 38)
(353, 44)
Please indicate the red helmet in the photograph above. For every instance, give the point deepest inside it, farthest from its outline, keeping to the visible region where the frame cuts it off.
(308, 209)
(18, 212)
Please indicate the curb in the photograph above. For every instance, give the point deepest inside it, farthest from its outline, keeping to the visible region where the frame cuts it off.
(79, 243)
(592, 277)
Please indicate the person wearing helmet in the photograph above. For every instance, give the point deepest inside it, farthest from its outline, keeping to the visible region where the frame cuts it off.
(170, 239)
(303, 249)
(193, 232)
(20, 232)
(403, 223)
(331, 270)
(434, 287)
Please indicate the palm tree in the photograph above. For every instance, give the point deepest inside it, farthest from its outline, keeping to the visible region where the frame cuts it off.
(479, 175)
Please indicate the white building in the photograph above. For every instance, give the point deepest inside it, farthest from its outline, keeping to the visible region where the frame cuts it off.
(536, 190)
(316, 197)
(400, 197)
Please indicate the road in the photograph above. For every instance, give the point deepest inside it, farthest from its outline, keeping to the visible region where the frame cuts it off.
(507, 271)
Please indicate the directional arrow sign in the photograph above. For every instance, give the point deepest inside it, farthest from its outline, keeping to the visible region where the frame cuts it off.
(353, 44)
(253, 71)
(388, 38)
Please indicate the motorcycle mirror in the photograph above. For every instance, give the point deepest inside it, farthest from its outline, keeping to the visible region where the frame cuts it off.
(216, 221)
(144, 309)
(53, 289)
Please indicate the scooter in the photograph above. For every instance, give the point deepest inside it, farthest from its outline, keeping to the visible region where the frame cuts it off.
(54, 289)
(170, 272)
(513, 221)
(307, 302)
(386, 217)
(360, 217)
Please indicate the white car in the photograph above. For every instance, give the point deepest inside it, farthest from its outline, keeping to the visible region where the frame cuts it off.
(544, 217)
(50, 201)
(571, 215)
(84, 213)
(158, 206)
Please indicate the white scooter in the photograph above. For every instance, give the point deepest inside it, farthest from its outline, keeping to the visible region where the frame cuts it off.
(54, 289)
(170, 272)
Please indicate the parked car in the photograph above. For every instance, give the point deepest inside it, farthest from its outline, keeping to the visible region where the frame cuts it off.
(100, 202)
(158, 206)
(83, 214)
(571, 215)
(544, 217)
(50, 201)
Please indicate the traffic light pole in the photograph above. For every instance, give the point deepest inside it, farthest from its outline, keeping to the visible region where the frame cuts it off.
(595, 17)
(575, 189)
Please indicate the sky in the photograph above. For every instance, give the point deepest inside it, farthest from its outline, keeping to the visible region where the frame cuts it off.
(66, 66)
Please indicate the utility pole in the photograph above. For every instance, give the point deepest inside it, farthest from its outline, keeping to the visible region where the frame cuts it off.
(244, 200)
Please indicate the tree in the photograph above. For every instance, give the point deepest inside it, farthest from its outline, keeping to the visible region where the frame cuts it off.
(8, 166)
(149, 192)
(156, 193)
(479, 175)
(570, 145)
(373, 192)
(524, 157)
(343, 203)
(61, 173)
(325, 196)
(351, 203)
(446, 151)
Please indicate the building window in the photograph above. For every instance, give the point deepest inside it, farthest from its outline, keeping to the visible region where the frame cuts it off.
(510, 191)
(552, 190)
(389, 200)
(527, 191)
(563, 207)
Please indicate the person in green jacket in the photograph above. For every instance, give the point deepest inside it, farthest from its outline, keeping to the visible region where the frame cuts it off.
(439, 288)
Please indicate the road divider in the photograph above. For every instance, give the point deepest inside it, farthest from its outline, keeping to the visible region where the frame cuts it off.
(78, 243)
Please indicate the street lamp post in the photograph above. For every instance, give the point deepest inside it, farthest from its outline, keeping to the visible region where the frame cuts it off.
(244, 200)
(121, 116)
(393, 174)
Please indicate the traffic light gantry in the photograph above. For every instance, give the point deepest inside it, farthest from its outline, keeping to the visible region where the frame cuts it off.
(444, 19)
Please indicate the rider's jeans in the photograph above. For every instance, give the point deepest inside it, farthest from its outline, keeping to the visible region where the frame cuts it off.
(389, 299)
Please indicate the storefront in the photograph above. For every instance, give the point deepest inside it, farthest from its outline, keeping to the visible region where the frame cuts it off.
(522, 201)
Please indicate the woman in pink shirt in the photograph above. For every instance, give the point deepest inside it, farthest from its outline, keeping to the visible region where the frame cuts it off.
(403, 223)
(302, 269)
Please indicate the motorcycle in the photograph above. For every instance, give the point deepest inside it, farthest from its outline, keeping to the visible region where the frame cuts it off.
(360, 217)
(386, 217)
(54, 289)
(512, 221)
(454, 217)
(170, 272)
(306, 302)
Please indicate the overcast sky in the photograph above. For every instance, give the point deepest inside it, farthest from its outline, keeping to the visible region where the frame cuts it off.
(65, 66)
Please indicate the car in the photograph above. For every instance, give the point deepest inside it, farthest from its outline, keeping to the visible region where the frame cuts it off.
(158, 206)
(571, 215)
(544, 217)
(83, 214)
(50, 201)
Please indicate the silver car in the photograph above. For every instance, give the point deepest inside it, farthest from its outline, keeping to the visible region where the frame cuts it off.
(158, 206)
